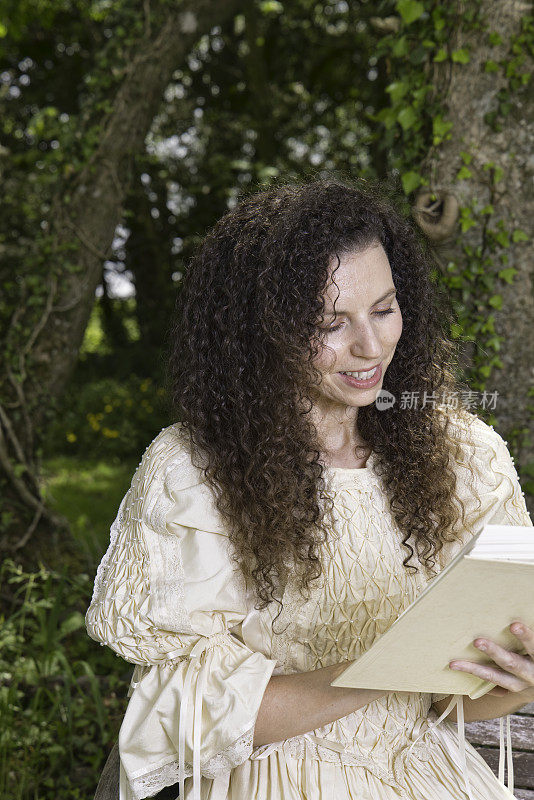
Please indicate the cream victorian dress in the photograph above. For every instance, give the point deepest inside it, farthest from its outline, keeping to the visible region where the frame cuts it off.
(168, 599)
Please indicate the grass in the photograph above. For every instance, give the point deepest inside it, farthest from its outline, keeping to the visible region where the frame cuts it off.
(88, 493)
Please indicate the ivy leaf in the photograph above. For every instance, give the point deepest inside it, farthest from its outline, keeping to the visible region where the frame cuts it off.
(400, 48)
(466, 223)
(440, 128)
(441, 55)
(466, 157)
(499, 172)
(419, 94)
(407, 117)
(460, 56)
(495, 301)
(456, 330)
(410, 181)
(519, 236)
(463, 173)
(495, 38)
(502, 238)
(410, 10)
(508, 274)
(491, 66)
(437, 19)
(397, 90)
(387, 116)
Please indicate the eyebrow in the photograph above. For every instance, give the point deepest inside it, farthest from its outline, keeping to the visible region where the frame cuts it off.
(384, 296)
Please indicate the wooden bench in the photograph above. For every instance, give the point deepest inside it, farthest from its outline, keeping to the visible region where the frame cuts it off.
(484, 736)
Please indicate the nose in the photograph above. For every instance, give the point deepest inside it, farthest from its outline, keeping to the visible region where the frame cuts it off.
(366, 344)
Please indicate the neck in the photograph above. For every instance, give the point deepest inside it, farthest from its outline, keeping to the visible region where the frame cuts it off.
(337, 432)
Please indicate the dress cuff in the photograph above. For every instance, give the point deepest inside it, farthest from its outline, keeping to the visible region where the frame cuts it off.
(175, 718)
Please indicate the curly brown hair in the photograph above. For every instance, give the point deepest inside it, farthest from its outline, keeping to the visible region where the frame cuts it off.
(240, 371)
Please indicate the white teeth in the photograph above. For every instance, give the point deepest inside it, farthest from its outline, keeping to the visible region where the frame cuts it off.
(362, 375)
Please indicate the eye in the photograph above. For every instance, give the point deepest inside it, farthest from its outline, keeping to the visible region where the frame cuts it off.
(383, 313)
(386, 311)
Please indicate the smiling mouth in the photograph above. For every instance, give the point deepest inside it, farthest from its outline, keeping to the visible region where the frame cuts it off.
(361, 371)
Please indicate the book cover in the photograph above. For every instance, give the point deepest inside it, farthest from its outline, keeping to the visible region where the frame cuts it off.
(472, 597)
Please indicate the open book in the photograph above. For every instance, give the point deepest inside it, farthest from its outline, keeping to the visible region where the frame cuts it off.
(487, 586)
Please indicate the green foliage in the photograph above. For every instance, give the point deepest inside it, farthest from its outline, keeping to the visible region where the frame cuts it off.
(271, 7)
(283, 89)
(414, 119)
(460, 56)
(410, 10)
(108, 417)
(414, 122)
(87, 492)
(97, 340)
(513, 68)
(62, 696)
(410, 181)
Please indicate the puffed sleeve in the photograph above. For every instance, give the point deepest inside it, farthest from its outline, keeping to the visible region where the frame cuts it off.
(166, 598)
(492, 492)
(488, 484)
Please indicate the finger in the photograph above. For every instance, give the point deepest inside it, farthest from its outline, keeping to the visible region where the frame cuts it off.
(497, 676)
(525, 635)
(498, 691)
(520, 666)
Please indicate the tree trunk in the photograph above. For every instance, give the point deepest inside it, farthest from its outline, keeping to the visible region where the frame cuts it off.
(471, 91)
(86, 217)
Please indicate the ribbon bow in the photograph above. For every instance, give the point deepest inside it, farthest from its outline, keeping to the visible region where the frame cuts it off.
(194, 654)
(458, 702)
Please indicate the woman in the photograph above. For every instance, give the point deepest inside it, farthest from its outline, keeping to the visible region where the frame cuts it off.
(295, 511)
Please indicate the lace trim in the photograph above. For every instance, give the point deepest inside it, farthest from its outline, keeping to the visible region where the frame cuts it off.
(154, 782)
(300, 747)
(231, 756)
(295, 608)
(167, 576)
(219, 764)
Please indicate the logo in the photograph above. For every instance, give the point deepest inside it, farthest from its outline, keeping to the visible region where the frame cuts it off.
(384, 400)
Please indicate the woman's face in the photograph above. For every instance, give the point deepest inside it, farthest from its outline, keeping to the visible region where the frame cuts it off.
(365, 332)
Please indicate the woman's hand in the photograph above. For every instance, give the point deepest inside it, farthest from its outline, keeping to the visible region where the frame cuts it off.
(517, 674)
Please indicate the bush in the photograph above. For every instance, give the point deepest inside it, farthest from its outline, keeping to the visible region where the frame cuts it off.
(62, 697)
(108, 417)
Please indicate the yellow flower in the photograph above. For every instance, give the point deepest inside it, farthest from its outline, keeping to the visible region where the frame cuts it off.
(108, 408)
(109, 433)
(71, 437)
(145, 384)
